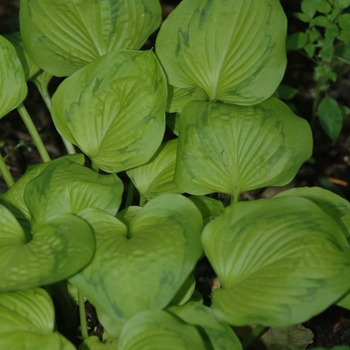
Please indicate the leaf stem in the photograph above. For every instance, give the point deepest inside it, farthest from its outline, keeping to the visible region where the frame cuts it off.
(256, 333)
(6, 173)
(33, 132)
(42, 82)
(82, 315)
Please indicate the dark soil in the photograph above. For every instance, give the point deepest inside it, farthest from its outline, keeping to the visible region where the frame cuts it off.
(330, 166)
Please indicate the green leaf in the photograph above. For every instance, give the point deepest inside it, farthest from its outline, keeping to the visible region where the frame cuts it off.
(156, 176)
(342, 4)
(326, 53)
(13, 87)
(321, 21)
(63, 36)
(280, 261)
(297, 41)
(210, 208)
(331, 34)
(325, 72)
(309, 7)
(286, 92)
(127, 215)
(345, 301)
(151, 258)
(159, 330)
(344, 21)
(58, 247)
(55, 191)
(313, 34)
(178, 97)
(332, 204)
(310, 49)
(114, 109)
(343, 51)
(185, 292)
(334, 14)
(230, 149)
(234, 50)
(344, 35)
(27, 322)
(331, 117)
(324, 7)
(13, 198)
(29, 67)
(219, 334)
(303, 17)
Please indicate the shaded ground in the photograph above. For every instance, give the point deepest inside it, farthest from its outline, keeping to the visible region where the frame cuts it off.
(330, 166)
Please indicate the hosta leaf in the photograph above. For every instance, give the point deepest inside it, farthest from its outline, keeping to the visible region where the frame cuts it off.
(27, 322)
(13, 87)
(219, 334)
(63, 36)
(185, 292)
(114, 109)
(280, 261)
(110, 324)
(55, 190)
(234, 50)
(345, 301)
(143, 266)
(178, 98)
(231, 149)
(29, 67)
(159, 330)
(127, 215)
(57, 248)
(13, 198)
(156, 176)
(210, 208)
(94, 343)
(332, 204)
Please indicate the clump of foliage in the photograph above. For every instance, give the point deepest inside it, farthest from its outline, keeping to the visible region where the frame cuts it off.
(215, 67)
(326, 41)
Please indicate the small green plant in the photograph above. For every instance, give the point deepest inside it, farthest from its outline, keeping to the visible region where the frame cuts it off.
(216, 64)
(326, 42)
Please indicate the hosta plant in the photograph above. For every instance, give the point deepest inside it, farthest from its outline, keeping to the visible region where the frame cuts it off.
(210, 77)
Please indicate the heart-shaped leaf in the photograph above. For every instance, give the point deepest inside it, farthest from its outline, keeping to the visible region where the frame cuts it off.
(143, 266)
(27, 322)
(219, 334)
(157, 176)
(63, 36)
(159, 330)
(230, 149)
(56, 249)
(13, 87)
(55, 191)
(114, 109)
(13, 198)
(280, 261)
(234, 50)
